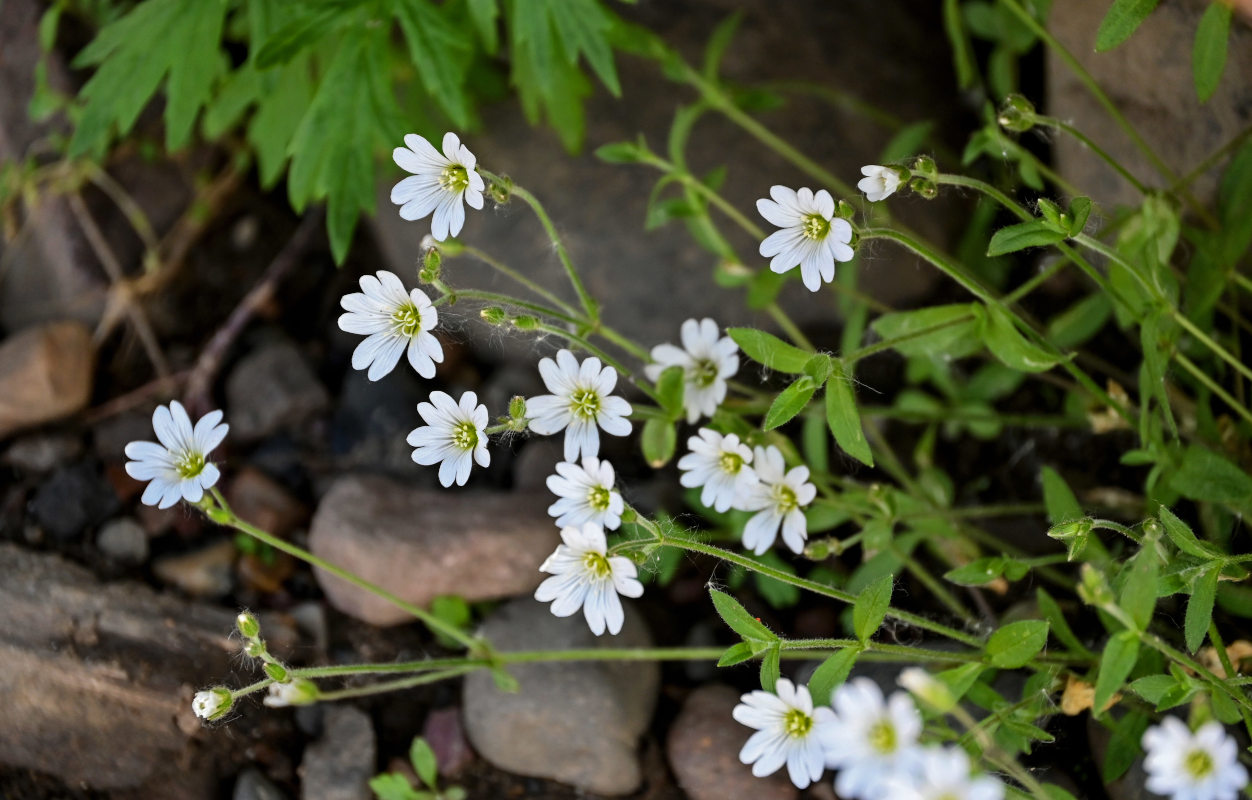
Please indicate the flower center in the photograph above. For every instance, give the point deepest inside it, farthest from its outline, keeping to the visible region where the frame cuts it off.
(730, 463)
(785, 498)
(454, 178)
(1198, 763)
(703, 373)
(189, 465)
(585, 403)
(797, 723)
(597, 565)
(815, 226)
(882, 737)
(408, 320)
(465, 435)
(598, 498)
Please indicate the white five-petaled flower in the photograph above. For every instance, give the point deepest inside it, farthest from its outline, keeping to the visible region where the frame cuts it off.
(585, 576)
(439, 183)
(812, 237)
(586, 494)
(879, 183)
(392, 320)
(719, 464)
(1203, 765)
(943, 773)
(706, 360)
(211, 703)
(178, 467)
(872, 738)
(454, 436)
(581, 403)
(789, 730)
(779, 496)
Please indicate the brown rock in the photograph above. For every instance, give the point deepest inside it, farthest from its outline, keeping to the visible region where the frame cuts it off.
(703, 750)
(260, 500)
(45, 374)
(420, 544)
(208, 572)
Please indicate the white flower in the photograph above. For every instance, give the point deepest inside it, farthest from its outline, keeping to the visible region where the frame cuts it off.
(211, 703)
(584, 576)
(943, 774)
(454, 436)
(811, 236)
(438, 184)
(707, 361)
(580, 400)
(178, 467)
(720, 465)
(392, 320)
(587, 494)
(788, 731)
(1192, 766)
(779, 496)
(872, 739)
(879, 183)
(297, 692)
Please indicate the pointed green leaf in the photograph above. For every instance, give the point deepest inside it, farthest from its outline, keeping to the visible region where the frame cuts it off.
(789, 402)
(1120, 22)
(1035, 233)
(658, 442)
(1059, 626)
(950, 331)
(842, 416)
(1184, 539)
(1205, 475)
(1015, 644)
(871, 607)
(735, 654)
(770, 669)
(767, 349)
(831, 673)
(1138, 595)
(1200, 608)
(669, 391)
(423, 760)
(1208, 56)
(1124, 745)
(484, 14)
(738, 618)
(1116, 662)
(1058, 498)
(1007, 344)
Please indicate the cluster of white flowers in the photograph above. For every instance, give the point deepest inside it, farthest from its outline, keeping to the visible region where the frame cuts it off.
(872, 742)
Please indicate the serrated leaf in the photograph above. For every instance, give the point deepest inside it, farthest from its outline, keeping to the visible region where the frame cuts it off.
(658, 442)
(767, 349)
(950, 330)
(1123, 17)
(1015, 644)
(423, 760)
(871, 607)
(770, 669)
(285, 96)
(1208, 55)
(831, 673)
(298, 35)
(842, 416)
(1116, 662)
(1200, 608)
(582, 27)
(789, 402)
(1035, 233)
(440, 51)
(738, 618)
(1007, 344)
(735, 654)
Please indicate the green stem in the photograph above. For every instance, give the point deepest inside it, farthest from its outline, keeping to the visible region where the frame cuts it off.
(506, 270)
(392, 686)
(1214, 386)
(223, 515)
(790, 328)
(1065, 127)
(956, 415)
(454, 295)
(1220, 646)
(936, 588)
(244, 691)
(887, 344)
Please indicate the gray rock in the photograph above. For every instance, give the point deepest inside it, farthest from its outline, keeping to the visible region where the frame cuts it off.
(45, 375)
(253, 785)
(578, 723)
(340, 764)
(420, 544)
(39, 453)
(271, 388)
(123, 540)
(111, 435)
(373, 419)
(703, 748)
(73, 499)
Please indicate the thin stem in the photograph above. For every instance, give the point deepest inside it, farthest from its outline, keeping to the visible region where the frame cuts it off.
(1215, 637)
(957, 415)
(887, 344)
(392, 686)
(453, 295)
(1214, 386)
(790, 327)
(1086, 141)
(244, 691)
(936, 588)
(506, 270)
(223, 515)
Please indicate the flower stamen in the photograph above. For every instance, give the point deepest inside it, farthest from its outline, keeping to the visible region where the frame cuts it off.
(815, 227)
(407, 320)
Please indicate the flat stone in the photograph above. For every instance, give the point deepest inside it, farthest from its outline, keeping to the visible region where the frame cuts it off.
(340, 764)
(271, 388)
(574, 722)
(39, 453)
(420, 544)
(45, 375)
(208, 572)
(703, 749)
(124, 540)
(74, 499)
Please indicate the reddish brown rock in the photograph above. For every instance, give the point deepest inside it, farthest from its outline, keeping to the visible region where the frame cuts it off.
(45, 374)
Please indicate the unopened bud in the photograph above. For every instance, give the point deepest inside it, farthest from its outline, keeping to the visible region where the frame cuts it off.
(1075, 534)
(924, 187)
(923, 166)
(1094, 588)
(926, 688)
(298, 692)
(845, 210)
(517, 407)
(247, 624)
(818, 550)
(254, 648)
(525, 322)
(493, 315)
(1017, 114)
(276, 671)
(501, 189)
(212, 703)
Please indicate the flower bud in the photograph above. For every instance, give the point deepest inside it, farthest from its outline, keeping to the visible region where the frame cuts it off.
(930, 691)
(1075, 534)
(1017, 114)
(525, 322)
(923, 166)
(254, 648)
(500, 189)
(276, 671)
(493, 315)
(247, 624)
(212, 703)
(924, 187)
(818, 550)
(517, 407)
(844, 210)
(1094, 588)
(298, 692)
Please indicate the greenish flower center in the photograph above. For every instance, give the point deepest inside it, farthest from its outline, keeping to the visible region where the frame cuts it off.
(454, 178)
(882, 737)
(703, 373)
(189, 465)
(797, 723)
(585, 403)
(815, 226)
(597, 565)
(598, 498)
(785, 498)
(408, 320)
(730, 463)
(1198, 763)
(465, 435)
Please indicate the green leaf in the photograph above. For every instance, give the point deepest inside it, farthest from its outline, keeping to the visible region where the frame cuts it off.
(423, 760)
(298, 35)
(770, 669)
(1208, 55)
(392, 786)
(950, 330)
(958, 39)
(1123, 746)
(1200, 608)
(583, 26)
(715, 50)
(1058, 498)
(1138, 594)
(842, 416)
(1184, 539)
(1079, 211)
(454, 611)
(440, 52)
(1121, 21)
(484, 14)
(909, 141)
(1007, 344)
(1153, 687)
(1078, 323)
(620, 153)
(767, 349)
(738, 618)
(871, 607)
(789, 402)
(1059, 626)
(1234, 205)
(669, 391)
(1035, 233)
(1118, 659)
(831, 673)
(735, 654)
(1015, 644)
(1055, 792)
(1204, 475)
(658, 442)
(978, 572)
